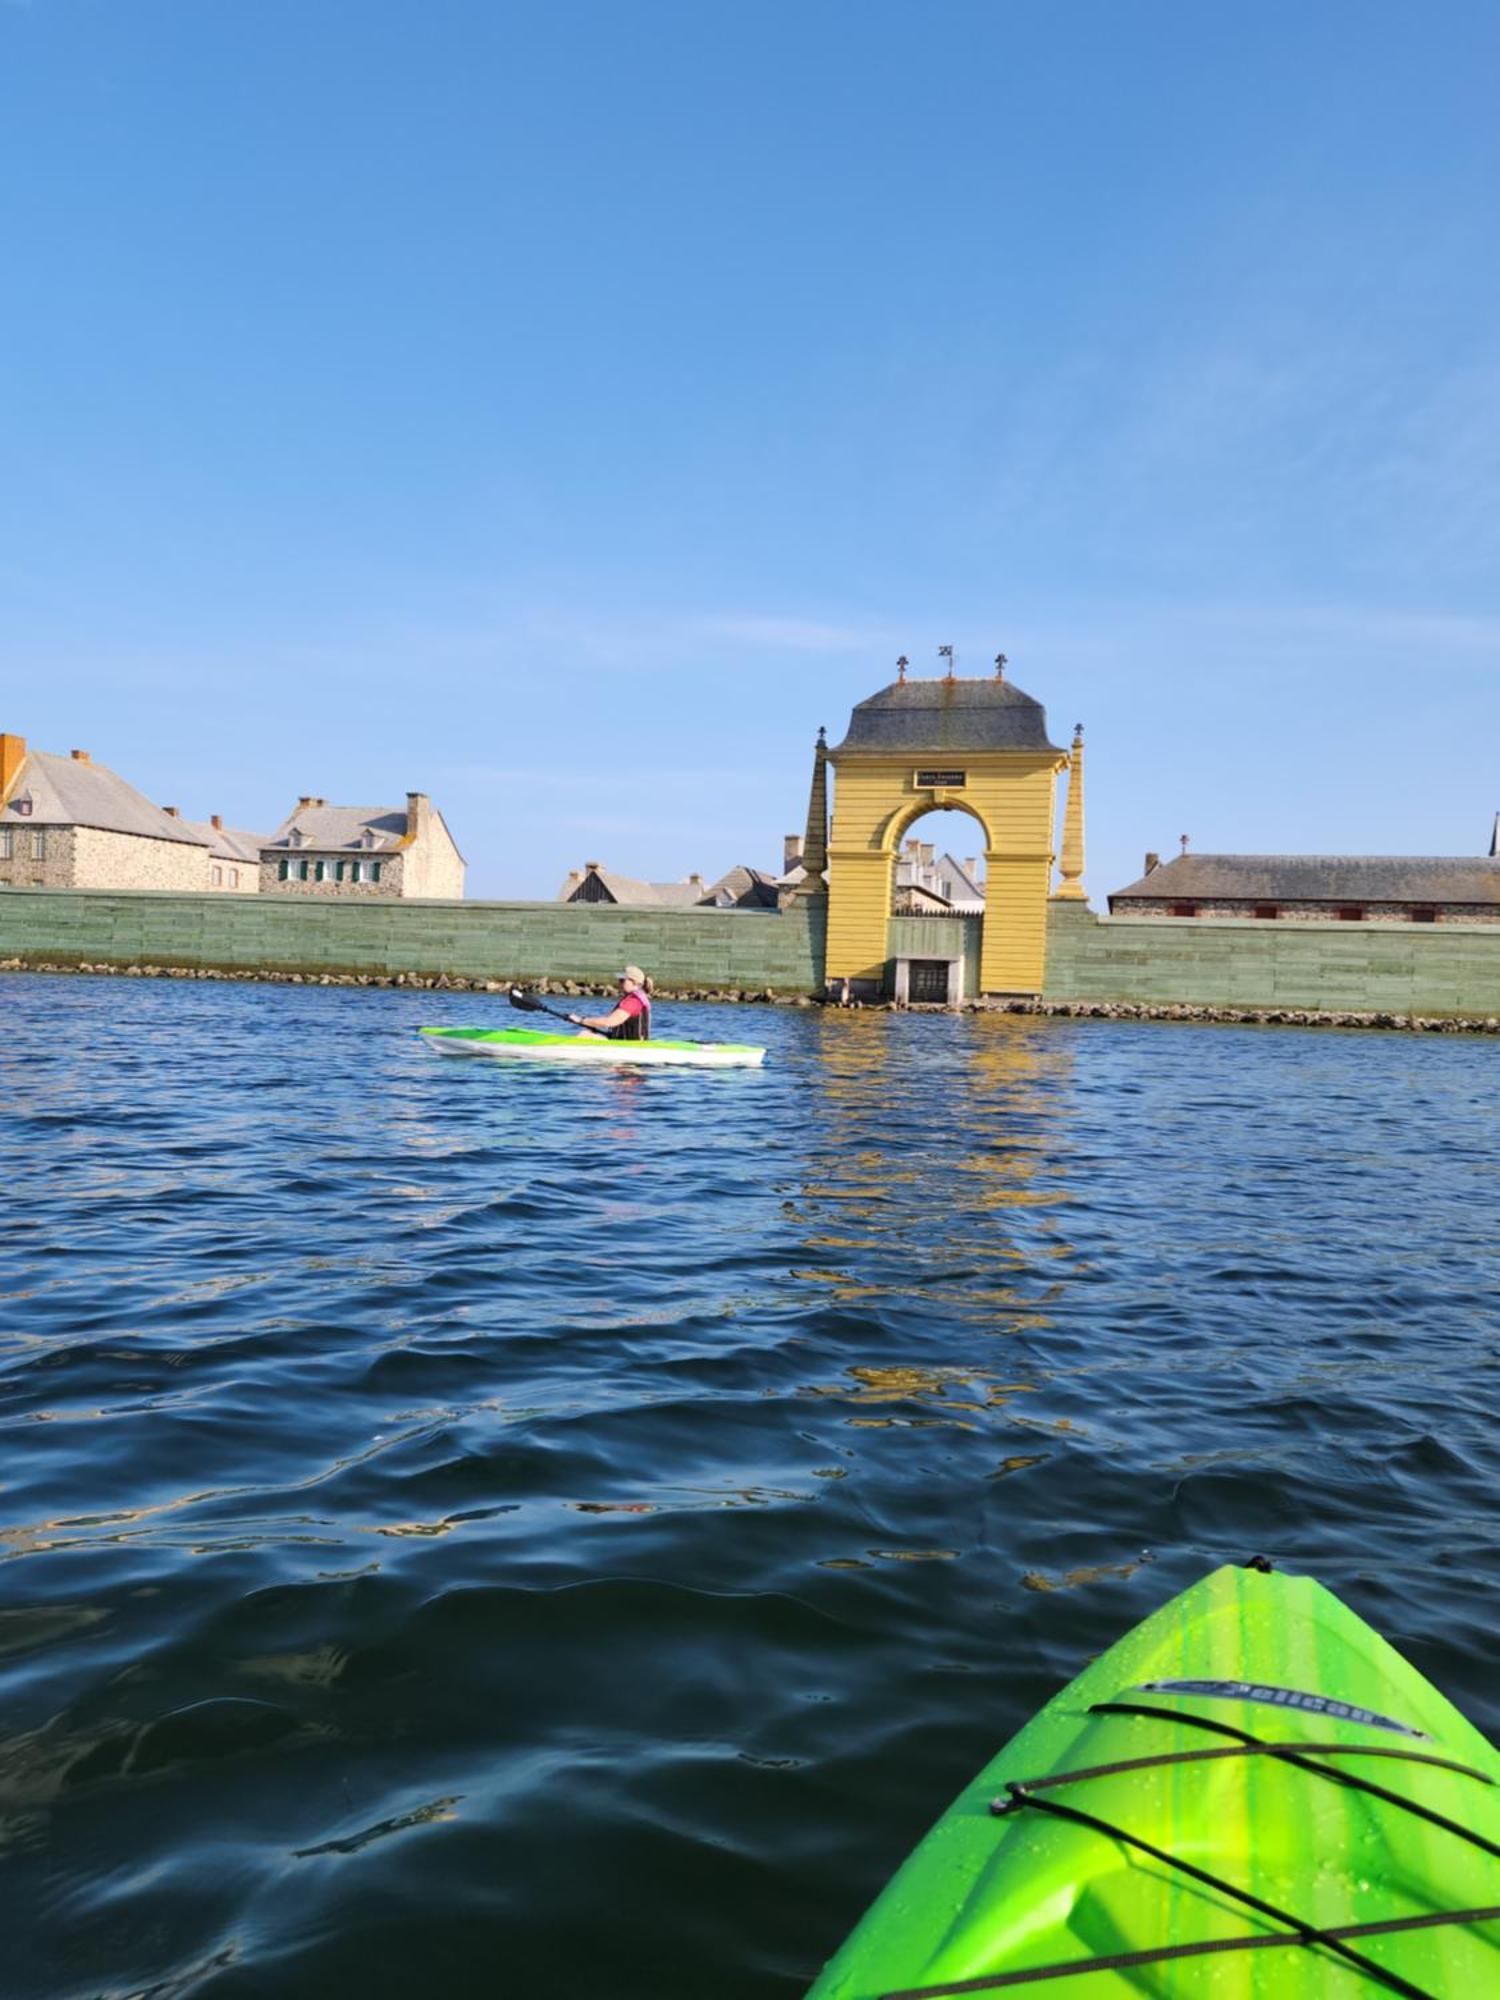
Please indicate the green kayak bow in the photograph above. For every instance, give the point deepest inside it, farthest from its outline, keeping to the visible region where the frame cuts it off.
(1250, 1797)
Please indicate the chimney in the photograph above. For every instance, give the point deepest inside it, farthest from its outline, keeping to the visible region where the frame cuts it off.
(308, 800)
(418, 815)
(171, 812)
(593, 867)
(695, 881)
(80, 756)
(216, 821)
(971, 867)
(791, 851)
(928, 854)
(12, 757)
(1153, 861)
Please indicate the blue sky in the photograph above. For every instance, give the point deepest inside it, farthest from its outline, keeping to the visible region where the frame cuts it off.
(566, 409)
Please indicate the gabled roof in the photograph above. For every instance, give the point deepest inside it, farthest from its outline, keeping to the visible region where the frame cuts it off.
(948, 716)
(627, 889)
(342, 827)
(1318, 878)
(739, 888)
(743, 888)
(73, 791)
(229, 843)
(964, 884)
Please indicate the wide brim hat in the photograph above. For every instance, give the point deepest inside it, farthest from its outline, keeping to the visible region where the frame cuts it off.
(634, 974)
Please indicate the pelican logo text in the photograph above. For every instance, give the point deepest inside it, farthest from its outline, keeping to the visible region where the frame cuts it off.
(1274, 1697)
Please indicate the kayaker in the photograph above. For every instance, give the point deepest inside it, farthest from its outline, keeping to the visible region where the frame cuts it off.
(629, 1020)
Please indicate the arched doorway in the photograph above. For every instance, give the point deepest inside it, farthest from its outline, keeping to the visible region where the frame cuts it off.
(974, 748)
(938, 867)
(934, 940)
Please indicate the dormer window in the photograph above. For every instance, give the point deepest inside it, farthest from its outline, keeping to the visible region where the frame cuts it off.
(367, 838)
(22, 805)
(296, 838)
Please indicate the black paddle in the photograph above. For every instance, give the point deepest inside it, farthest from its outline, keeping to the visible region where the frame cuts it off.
(529, 1004)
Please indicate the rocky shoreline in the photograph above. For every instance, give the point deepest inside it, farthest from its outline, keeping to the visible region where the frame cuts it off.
(1073, 1010)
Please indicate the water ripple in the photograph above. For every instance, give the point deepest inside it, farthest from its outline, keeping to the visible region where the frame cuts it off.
(456, 1524)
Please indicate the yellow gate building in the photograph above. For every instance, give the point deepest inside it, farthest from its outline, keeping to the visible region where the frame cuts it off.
(973, 746)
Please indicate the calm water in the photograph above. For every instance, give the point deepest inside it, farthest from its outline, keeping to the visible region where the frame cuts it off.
(476, 1532)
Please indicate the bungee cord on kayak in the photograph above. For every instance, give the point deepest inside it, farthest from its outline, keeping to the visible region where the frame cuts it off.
(1303, 1932)
(1024, 1792)
(1130, 1961)
(1196, 1840)
(1052, 1779)
(1296, 1753)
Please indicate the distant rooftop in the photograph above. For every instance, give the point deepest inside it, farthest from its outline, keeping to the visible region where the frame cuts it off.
(74, 791)
(229, 843)
(948, 716)
(739, 888)
(1318, 878)
(365, 829)
(629, 889)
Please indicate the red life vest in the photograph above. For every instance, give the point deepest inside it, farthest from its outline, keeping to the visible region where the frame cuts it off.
(637, 1028)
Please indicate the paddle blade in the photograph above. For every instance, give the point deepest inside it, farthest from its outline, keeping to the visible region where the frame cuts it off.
(526, 1003)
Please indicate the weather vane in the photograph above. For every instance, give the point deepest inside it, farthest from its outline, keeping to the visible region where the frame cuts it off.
(946, 653)
(901, 666)
(1000, 665)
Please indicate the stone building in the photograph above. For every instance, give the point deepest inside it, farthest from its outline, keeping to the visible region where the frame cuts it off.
(233, 855)
(931, 884)
(69, 823)
(1317, 888)
(358, 852)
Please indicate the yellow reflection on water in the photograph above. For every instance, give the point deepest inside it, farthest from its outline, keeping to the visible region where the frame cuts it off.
(936, 1166)
(1074, 1579)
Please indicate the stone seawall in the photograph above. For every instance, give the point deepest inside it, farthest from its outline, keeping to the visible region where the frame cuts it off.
(712, 950)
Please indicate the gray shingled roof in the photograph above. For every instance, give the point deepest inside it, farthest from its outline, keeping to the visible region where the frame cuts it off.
(66, 791)
(947, 716)
(627, 889)
(1318, 878)
(229, 843)
(744, 889)
(329, 828)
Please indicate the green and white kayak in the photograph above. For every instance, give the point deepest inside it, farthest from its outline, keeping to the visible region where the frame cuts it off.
(529, 1045)
(1250, 1797)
